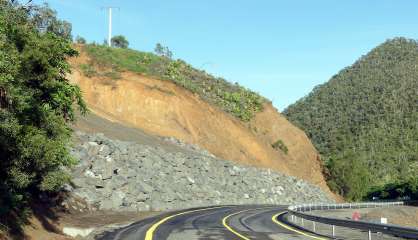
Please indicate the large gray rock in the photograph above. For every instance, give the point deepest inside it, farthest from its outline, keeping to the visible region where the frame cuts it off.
(117, 175)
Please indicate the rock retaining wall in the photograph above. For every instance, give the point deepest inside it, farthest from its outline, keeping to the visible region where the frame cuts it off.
(125, 176)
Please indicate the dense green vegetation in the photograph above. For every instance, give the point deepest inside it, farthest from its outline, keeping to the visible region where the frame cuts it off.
(364, 121)
(232, 98)
(36, 103)
(406, 189)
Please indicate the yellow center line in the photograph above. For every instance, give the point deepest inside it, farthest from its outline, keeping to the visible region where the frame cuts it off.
(224, 222)
(150, 232)
(274, 219)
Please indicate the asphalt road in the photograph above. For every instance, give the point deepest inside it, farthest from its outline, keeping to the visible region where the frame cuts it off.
(219, 222)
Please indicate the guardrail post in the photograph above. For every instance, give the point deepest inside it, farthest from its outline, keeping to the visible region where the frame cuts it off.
(371, 227)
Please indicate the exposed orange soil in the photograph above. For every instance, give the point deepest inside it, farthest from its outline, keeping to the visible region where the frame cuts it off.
(38, 230)
(163, 108)
(51, 229)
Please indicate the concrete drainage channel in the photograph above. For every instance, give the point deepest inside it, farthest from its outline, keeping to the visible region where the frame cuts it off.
(301, 216)
(77, 232)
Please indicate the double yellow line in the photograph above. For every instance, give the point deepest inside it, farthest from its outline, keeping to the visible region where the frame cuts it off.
(151, 231)
(274, 219)
(224, 222)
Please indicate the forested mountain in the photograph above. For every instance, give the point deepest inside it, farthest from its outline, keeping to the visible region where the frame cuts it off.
(364, 120)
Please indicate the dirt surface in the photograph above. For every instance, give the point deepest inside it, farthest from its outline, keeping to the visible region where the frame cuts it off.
(165, 109)
(46, 231)
(405, 215)
(52, 230)
(101, 218)
(92, 123)
(400, 215)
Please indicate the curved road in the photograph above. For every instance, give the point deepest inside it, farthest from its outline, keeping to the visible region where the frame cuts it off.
(221, 222)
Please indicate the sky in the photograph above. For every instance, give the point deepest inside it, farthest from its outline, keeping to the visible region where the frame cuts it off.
(278, 48)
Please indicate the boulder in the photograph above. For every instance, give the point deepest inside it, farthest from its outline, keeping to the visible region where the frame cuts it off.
(125, 176)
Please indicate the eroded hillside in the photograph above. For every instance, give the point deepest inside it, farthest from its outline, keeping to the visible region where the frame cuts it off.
(163, 108)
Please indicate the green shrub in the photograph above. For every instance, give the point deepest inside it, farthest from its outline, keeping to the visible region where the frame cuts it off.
(279, 144)
(402, 189)
(36, 106)
(119, 41)
(232, 98)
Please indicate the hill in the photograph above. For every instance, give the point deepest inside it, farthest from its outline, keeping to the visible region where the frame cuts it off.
(228, 120)
(364, 120)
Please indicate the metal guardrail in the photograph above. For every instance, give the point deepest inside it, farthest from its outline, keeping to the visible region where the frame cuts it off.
(390, 229)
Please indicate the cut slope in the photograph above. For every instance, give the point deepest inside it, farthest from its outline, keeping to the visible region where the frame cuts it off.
(163, 108)
(364, 121)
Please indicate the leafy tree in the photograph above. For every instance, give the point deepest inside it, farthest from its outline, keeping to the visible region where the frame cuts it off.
(406, 189)
(162, 51)
(80, 40)
(36, 105)
(367, 114)
(119, 41)
(45, 19)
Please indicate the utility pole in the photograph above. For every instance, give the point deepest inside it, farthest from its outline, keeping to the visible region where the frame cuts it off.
(109, 35)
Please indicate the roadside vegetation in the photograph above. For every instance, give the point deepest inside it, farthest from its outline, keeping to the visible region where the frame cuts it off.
(406, 189)
(36, 105)
(364, 121)
(232, 98)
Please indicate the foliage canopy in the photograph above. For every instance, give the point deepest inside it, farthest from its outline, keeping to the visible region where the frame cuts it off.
(36, 103)
(364, 121)
(119, 41)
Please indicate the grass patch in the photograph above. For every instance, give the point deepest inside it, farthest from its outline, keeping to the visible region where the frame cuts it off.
(114, 75)
(279, 144)
(88, 70)
(232, 98)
